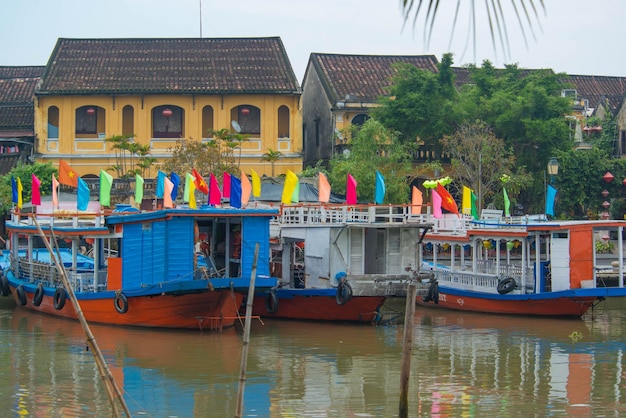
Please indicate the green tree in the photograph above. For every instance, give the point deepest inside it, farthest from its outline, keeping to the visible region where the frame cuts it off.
(373, 147)
(271, 156)
(130, 157)
(215, 156)
(43, 171)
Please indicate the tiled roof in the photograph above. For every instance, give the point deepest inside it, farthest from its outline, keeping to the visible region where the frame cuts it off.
(169, 66)
(362, 78)
(596, 87)
(17, 85)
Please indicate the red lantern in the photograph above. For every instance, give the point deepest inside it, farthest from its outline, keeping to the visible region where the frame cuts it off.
(606, 237)
(91, 111)
(167, 112)
(606, 204)
(608, 177)
(605, 193)
(245, 111)
(624, 182)
(604, 215)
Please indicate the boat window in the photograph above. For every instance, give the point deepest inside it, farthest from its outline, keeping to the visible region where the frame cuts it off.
(559, 235)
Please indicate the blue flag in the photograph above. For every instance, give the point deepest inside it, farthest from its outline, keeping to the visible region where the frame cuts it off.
(380, 188)
(176, 182)
(83, 195)
(550, 196)
(160, 186)
(14, 188)
(235, 192)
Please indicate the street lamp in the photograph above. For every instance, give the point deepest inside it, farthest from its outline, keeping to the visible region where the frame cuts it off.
(553, 169)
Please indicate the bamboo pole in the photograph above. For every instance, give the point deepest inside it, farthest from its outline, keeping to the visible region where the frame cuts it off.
(246, 336)
(112, 389)
(406, 350)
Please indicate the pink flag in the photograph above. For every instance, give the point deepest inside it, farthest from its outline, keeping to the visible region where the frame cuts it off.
(323, 188)
(226, 185)
(215, 196)
(35, 194)
(437, 213)
(168, 186)
(55, 188)
(417, 199)
(246, 189)
(351, 191)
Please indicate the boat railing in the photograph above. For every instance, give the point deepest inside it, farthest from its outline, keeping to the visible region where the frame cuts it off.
(487, 277)
(307, 214)
(81, 279)
(60, 218)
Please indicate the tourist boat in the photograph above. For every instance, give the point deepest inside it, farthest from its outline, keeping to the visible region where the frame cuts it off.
(522, 265)
(133, 268)
(340, 262)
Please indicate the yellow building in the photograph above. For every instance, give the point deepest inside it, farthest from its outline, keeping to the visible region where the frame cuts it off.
(164, 90)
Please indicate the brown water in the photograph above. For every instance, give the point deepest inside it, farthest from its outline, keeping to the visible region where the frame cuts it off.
(462, 365)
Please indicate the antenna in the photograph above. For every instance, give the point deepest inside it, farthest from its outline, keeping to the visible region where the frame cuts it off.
(200, 1)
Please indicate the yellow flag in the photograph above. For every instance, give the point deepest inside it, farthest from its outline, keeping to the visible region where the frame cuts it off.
(192, 195)
(20, 191)
(291, 180)
(466, 204)
(256, 184)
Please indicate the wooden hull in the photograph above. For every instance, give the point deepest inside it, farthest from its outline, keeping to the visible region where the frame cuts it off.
(320, 307)
(206, 310)
(549, 305)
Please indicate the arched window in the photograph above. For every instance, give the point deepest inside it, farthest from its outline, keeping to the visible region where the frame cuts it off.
(360, 119)
(53, 122)
(207, 121)
(167, 122)
(283, 122)
(248, 117)
(89, 121)
(128, 120)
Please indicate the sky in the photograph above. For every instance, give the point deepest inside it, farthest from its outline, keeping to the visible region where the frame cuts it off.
(572, 36)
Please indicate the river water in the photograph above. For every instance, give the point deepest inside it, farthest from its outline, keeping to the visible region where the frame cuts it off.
(462, 365)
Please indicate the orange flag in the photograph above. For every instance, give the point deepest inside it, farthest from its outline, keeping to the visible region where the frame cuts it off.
(447, 202)
(67, 175)
(200, 182)
(323, 188)
(246, 189)
(416, 201)
(55, 191)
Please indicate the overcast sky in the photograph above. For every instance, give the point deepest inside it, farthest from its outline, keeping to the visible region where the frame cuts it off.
(572, 36)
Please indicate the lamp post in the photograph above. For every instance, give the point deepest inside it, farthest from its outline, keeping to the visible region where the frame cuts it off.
(552, 170)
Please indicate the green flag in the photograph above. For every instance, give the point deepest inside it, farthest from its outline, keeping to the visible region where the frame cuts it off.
(138, 189)
(474, 207)
(507, 203)
(106, 182)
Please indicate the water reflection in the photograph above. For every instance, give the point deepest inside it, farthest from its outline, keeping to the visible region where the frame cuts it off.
(462, 365)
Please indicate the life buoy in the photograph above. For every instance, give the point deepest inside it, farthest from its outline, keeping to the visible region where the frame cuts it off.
(433, 292)
(4, 285)
(344, 292)
(271, 302)
(21, 295)
(121, 303)
(506, 285)
(38, 296)
(59, 298)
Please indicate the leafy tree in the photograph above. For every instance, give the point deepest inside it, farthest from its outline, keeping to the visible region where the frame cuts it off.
(373, 147)
(215, 156)
(479, 160)
(43, 171)
(271, 156)
(126, 151)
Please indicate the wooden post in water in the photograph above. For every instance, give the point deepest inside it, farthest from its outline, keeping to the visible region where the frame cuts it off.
(407, 346)
(246, 336)
(112, 389)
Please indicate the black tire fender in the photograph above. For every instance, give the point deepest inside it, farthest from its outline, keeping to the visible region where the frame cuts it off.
(506, 285)
(21, 295)
(38, 296)
(271, 302)
(4, 285)
(344, 292)
(60, 296)
(121, 303)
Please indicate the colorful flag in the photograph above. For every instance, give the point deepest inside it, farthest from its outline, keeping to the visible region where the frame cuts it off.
(351, 190)
(507, 203)
(67, 175)
(192, 193)
(55, 192)
(417, 199)
(550, 197)
(466, 203)
(175, 179)
(226, 185)
(215, 196)
(168, 187)
(246, 189)
(82, 202)
(14, 190)
(35, 196)
(447, 202)
(436, 198)
(475, 214)
(291, 180)
(138, 189)
(256, 184)
(106, 182)
(160, 184)
(20, 193)
(235, 192)
(323, 188)
(200, 183)
(189, 178)
(380, 189)
(295, 196)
